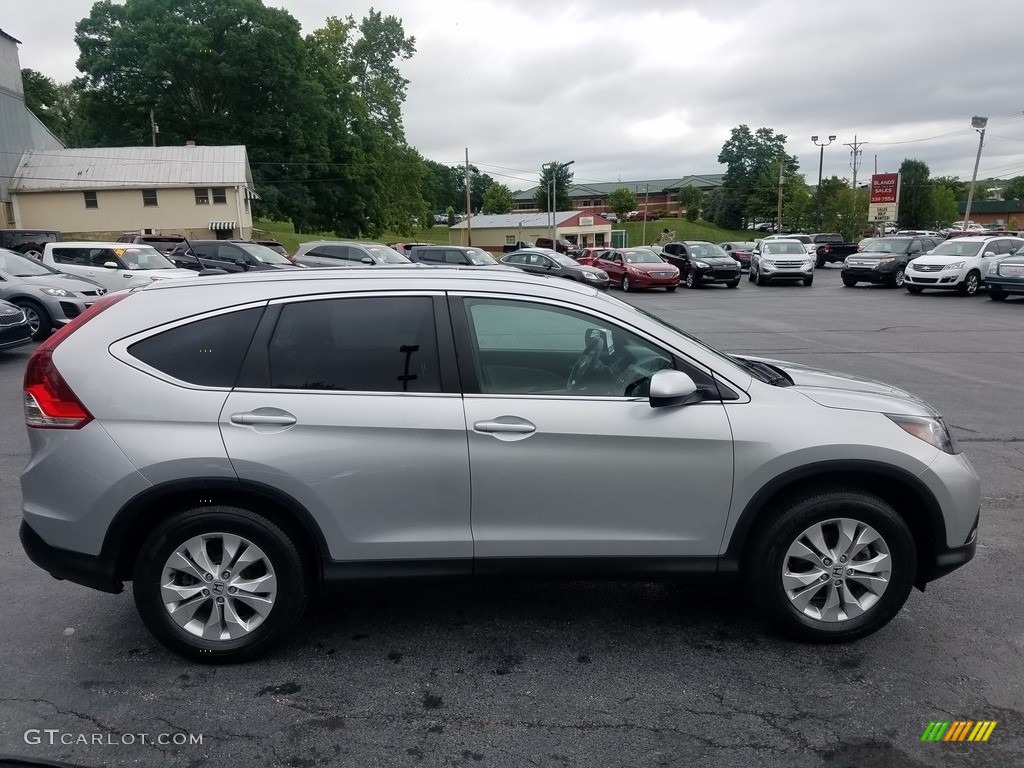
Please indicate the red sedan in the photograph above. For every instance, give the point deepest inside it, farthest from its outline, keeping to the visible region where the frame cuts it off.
(635, 268)
(590, 255)
(740, 251)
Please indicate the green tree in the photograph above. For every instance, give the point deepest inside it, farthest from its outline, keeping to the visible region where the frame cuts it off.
(915, 210)
(943, 207)
(753, 163)
(622, 201)
(41, 97)
(957, 187)
(498, 199)
(442, 186)
(562, 181)
(692, 199)
(1014, 189)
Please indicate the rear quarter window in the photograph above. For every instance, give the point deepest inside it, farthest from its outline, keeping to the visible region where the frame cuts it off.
(207, 352)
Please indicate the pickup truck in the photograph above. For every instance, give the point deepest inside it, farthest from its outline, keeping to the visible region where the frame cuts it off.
(830, 246)
(518, 246)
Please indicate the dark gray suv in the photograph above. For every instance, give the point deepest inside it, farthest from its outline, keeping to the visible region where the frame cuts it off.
(273, 433)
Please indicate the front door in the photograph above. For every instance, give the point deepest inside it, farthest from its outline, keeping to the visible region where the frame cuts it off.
(567, 457)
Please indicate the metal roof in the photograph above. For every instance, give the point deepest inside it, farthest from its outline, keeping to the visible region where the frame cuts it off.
(515, 220)
(10, 37)
(603, 189)
(132, 168)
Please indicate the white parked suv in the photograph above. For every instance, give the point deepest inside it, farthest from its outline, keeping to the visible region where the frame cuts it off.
(113, 265)
(959, 263)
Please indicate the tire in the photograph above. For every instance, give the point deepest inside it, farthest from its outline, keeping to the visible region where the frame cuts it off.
(32, 253)
(734, 283)
(759, 279)
(750, 274)
(913, 288)
(691, 281)
(785, 546)
(898, 278)
(819, 262)
(38, 318)
(997, 294)
(627, 284)
(809, 280)
(970, 284)
(671, 288)
(207, 531)
(849, 283)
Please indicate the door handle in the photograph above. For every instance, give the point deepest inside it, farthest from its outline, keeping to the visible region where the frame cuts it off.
(517, 427)
(279, 419)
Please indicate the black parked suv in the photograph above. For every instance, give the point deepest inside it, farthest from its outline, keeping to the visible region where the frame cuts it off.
(451, 254)
(229, 255)
(702, 263)
(29, 242)
(884, 260)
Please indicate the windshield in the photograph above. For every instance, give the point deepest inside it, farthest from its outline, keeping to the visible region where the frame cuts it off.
(707, 251)
(561, 258)
(642, 257)
(885, 246)
(781, 246)
(957, 248)
(479, 258)
(263, 254)
(386, 255)
(142, 257)
(21, 266)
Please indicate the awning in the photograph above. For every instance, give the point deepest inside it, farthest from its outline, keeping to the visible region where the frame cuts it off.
(217, 226)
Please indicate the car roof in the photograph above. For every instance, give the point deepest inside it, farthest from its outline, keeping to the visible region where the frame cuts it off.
(94, 244)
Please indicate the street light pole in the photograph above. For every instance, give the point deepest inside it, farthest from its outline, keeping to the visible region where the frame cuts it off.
(821, 162)
(979, 124)
(552, 187)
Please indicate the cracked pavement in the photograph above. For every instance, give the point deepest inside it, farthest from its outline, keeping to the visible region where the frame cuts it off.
(580, 674)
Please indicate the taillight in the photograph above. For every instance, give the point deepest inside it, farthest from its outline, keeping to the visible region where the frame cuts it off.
(49, 401)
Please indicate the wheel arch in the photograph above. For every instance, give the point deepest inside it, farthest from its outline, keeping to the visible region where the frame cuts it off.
(142, 514)
(910, 497)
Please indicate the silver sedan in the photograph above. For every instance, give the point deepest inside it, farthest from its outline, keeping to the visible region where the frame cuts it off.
(49, 298)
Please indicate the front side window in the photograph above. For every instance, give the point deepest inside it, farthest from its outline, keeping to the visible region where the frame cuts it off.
(90, 199)
(359, 344)
(524, 348)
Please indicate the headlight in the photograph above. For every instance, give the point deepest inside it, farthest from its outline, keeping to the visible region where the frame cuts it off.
(590, 276)
(932, 430)
(954, 265)
(55, 292)
(809, 263)
(993, 267)
(768, 262)
(887, 260)
(701, 264)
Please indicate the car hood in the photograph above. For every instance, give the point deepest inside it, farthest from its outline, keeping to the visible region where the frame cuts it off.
(645, 266)
(593, 270)
(717, 262)
(941, 260)
(162, 274)
(832, 389)
(67, 282)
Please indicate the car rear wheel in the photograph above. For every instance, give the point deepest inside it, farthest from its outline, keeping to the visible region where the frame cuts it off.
(834, 565)
(819, 263)
(670, 288)
(627, 284)
(38, 318)
(219, 584)
(970, 284)
(32, 253)
(997, 294)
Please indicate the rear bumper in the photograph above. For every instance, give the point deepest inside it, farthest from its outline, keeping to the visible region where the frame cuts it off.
(88, 570)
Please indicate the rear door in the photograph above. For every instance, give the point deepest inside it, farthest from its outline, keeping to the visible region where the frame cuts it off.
(350, 406)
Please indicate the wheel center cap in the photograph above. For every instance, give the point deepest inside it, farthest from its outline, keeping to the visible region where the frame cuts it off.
(838, 571)
(217, 588)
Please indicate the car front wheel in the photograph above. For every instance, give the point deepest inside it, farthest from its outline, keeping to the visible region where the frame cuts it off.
(913, 288)
(627, 284)
(219, 584)
(691, 280)
(970, 284)
(38, 318)
(898, 277)
(833, 566)
(997, 294)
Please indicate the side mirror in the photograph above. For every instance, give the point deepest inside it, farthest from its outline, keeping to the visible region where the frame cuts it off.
(669, 388)
(110, 265)
(988, 254)
(366, 260)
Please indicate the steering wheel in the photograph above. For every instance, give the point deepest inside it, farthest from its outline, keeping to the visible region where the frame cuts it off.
(585, 363)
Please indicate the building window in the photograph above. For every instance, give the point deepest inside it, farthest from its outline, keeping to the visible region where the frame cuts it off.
(90, 199)
(510, 239)
(202, 196)
(149, 198)
(220, 196)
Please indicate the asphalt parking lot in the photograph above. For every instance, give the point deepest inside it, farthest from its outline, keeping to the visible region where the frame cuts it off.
(576, 674)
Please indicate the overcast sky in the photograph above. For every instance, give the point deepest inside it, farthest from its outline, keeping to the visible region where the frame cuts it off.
(651, 89)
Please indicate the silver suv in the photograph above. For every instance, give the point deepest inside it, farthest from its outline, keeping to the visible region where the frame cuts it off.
(339, 253)
(232, 445)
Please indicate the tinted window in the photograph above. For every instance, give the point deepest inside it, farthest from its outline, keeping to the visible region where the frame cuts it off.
(430, 255)
(371, 344)
(207, 352)
(79, 256)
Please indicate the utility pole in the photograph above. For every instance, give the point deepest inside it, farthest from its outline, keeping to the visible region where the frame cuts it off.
(979, 124)
(153, 127)
(855, 153)
(469, 205)
(782, 165)
(647, 209)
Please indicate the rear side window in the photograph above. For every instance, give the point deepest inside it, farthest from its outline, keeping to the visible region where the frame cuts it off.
(207, 352)
(367, 344)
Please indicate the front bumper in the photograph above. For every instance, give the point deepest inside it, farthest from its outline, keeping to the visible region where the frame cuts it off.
(717, 275)
(94, 571)
(948, 559)
(940, 279)
(772, 272)
(647, 280)
(12, 336)
(1005, 284)
(869, 275)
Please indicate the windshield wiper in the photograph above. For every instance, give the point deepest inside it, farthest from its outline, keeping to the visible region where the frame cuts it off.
(766, 373)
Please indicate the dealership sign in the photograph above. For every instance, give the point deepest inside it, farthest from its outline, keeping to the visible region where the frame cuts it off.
(885, 197)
